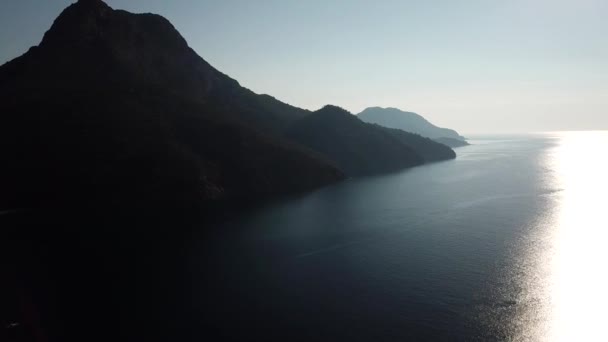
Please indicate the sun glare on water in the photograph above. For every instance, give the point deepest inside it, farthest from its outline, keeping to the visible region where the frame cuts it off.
(577, 291)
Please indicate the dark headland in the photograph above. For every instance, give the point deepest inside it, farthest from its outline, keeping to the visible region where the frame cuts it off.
(116, 137)
(116, 108)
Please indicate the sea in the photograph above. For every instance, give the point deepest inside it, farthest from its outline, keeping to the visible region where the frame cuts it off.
(508, 242)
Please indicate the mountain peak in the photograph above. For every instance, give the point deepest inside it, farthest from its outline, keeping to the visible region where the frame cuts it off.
(333, 108)
(92, 23)
(80, 21)
(91, 3)
(333, 113)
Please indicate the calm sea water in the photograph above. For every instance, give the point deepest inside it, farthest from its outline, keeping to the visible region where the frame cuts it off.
(506, 243)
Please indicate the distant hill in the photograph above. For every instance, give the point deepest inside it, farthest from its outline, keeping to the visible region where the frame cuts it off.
(114, 108)
(407, 121)
(360, 148)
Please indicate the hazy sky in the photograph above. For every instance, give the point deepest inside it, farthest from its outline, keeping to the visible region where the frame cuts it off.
(476, 66)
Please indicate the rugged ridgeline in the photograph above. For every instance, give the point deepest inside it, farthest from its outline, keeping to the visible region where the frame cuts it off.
(361, 148)
(411, 122)
(113, 111)
(115, 108)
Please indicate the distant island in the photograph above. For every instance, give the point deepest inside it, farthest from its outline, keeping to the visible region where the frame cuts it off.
(412, 122)
(115, 110)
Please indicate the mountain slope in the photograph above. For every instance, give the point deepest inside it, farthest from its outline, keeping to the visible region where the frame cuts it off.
(428, 149)
(115, 108)
(407, 121)
(360, 148)
(103, 42)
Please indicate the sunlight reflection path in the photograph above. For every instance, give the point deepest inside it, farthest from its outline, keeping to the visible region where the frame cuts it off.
(579, 258)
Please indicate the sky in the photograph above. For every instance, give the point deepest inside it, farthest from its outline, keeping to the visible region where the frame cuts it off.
(478, 66)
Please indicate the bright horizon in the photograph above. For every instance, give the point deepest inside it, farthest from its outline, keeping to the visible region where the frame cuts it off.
(521, 66)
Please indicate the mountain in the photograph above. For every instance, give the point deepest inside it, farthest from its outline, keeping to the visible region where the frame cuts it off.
(407, 121)
(115, 108)
(146, 48)
(360, 148)
(113, 132)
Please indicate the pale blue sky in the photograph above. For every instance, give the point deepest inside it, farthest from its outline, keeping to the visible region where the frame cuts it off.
(476, 66)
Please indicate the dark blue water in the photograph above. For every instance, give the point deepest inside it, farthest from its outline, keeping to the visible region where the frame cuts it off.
(463, 250)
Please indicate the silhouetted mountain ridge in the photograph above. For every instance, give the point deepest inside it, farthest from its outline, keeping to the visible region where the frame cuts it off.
(115, 136)
(115, 108)
(148, 48)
